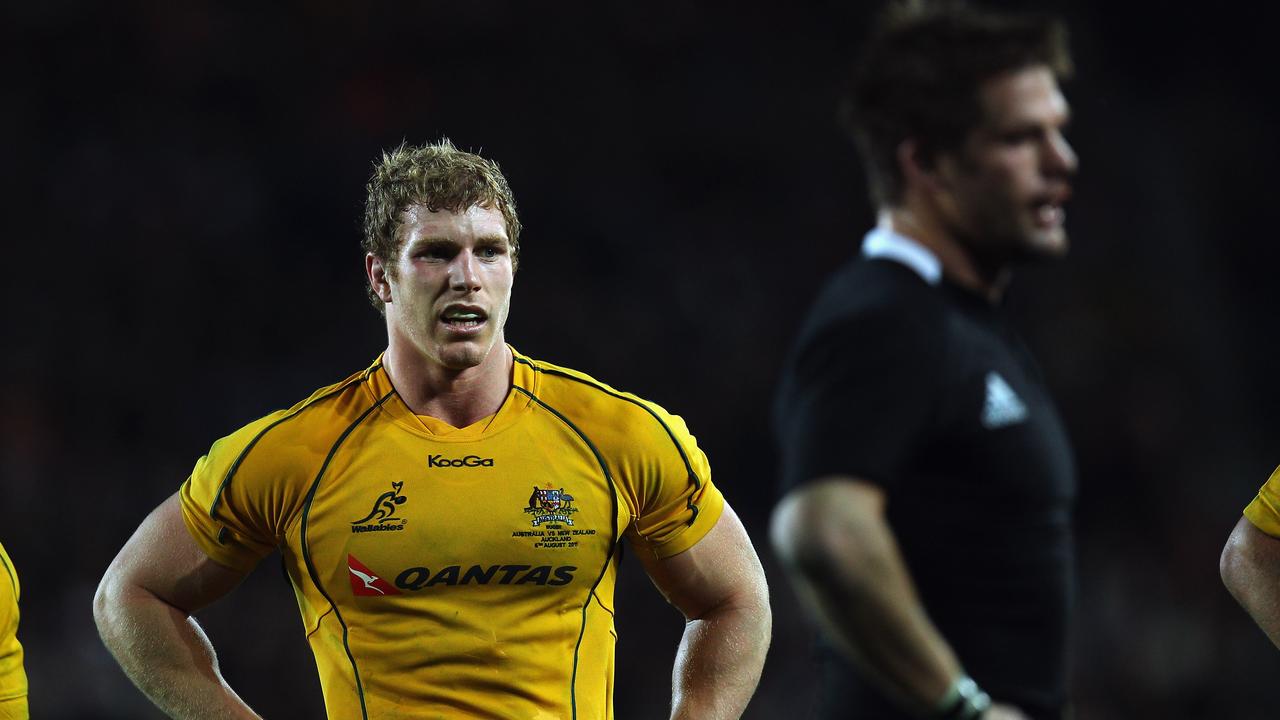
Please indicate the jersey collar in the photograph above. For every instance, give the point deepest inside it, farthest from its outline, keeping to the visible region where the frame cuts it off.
(884, 243)
(513, 408)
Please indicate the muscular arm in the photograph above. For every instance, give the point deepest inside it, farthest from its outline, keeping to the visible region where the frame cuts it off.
(833, 539)
(719, 586)
(844, 560)
(143, 610)
(1250, 568)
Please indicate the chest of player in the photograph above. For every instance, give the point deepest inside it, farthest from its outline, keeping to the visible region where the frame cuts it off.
(524, 511)
(1000, 431)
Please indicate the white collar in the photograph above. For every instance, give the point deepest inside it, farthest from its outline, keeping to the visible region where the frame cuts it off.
(882, 242)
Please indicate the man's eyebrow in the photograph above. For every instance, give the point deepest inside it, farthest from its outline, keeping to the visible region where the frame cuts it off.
(1023, 124)
(426, 243)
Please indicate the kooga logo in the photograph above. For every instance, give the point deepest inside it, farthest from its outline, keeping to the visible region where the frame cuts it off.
(468, 461)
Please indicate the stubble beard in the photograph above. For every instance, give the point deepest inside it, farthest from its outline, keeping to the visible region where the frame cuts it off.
(1035, 245)
(1006, 234)
(461, 356)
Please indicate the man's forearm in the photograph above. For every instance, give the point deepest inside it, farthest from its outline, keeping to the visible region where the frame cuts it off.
(719, 661)
(166, 654)
(875, 617)
(849, 572)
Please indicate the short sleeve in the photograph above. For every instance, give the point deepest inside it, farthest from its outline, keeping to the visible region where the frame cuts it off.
(234, 500)
(1264, 511)
(670, 481)
(13, 679)
(857, 397)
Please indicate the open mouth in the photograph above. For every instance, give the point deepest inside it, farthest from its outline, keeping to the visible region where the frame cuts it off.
(1050, 214)
(1048, 207)
(463, 317)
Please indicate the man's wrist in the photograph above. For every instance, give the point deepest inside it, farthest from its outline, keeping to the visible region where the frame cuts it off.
(964, 700)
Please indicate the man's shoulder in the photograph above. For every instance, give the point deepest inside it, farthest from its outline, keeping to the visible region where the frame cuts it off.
(277, 454)
(307, 424)
(596, 408)
(576, 390)
(874, 297)
(879, 285)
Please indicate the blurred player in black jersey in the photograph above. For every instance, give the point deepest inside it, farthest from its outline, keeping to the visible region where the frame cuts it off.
(928, 480)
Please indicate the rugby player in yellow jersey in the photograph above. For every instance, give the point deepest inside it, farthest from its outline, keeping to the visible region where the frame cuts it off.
(1250, 563)
(13, 680)
(450, 517)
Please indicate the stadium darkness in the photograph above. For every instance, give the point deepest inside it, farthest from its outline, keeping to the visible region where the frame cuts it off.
(183, 194)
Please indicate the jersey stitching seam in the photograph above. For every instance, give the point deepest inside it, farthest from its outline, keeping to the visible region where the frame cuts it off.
(600, 602)
(418, 430)
(693, 476)
(613, 493)
(320, 621)
(13, 576)
(306, 554)
(217, 499)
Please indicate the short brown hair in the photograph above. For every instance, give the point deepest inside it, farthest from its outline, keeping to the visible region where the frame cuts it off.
(920, 73)
(439, 177)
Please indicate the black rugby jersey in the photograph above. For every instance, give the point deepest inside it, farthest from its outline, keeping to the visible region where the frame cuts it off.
(923, 389)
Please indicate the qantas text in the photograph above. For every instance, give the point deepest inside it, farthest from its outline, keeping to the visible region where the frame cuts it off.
(417, 578)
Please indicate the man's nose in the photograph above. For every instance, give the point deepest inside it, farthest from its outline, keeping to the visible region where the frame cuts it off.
(1059, 157)
(463, 275)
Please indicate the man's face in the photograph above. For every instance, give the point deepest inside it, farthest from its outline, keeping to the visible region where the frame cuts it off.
(1005, 189)
(451, 286)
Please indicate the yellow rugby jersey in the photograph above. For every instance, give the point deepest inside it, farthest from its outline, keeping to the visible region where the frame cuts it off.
(1264, 511)
(13, 680)
(444, 572)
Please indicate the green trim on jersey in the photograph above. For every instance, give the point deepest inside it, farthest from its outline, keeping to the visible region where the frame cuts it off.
(693, 476)
(217, 498)
(306, 553)
(613, 494)
(12, 575)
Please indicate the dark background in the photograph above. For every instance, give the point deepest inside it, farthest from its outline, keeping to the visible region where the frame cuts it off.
(183, 187)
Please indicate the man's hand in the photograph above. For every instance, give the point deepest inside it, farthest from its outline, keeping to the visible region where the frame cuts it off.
(1003, 712)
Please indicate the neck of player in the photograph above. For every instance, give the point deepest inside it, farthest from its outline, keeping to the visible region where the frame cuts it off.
(458, 397)
(959, 264)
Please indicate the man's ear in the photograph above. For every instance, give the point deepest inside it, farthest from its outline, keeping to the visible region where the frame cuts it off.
(378, 280)
(925, 173)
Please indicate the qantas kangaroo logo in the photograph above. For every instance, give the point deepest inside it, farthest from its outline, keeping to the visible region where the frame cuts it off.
(365, 582)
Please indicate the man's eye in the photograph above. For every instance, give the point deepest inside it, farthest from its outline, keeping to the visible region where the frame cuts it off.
(1020, 136)
(490, 252)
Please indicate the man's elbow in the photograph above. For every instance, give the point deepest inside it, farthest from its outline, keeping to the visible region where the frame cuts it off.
(815, 540)
(793, 541)
(757, 605)
(754, 615)
(105, 599)
(1237, 563)
(111, 601)
(750, 599)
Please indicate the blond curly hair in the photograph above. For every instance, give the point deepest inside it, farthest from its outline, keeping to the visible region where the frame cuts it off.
(439, 177)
